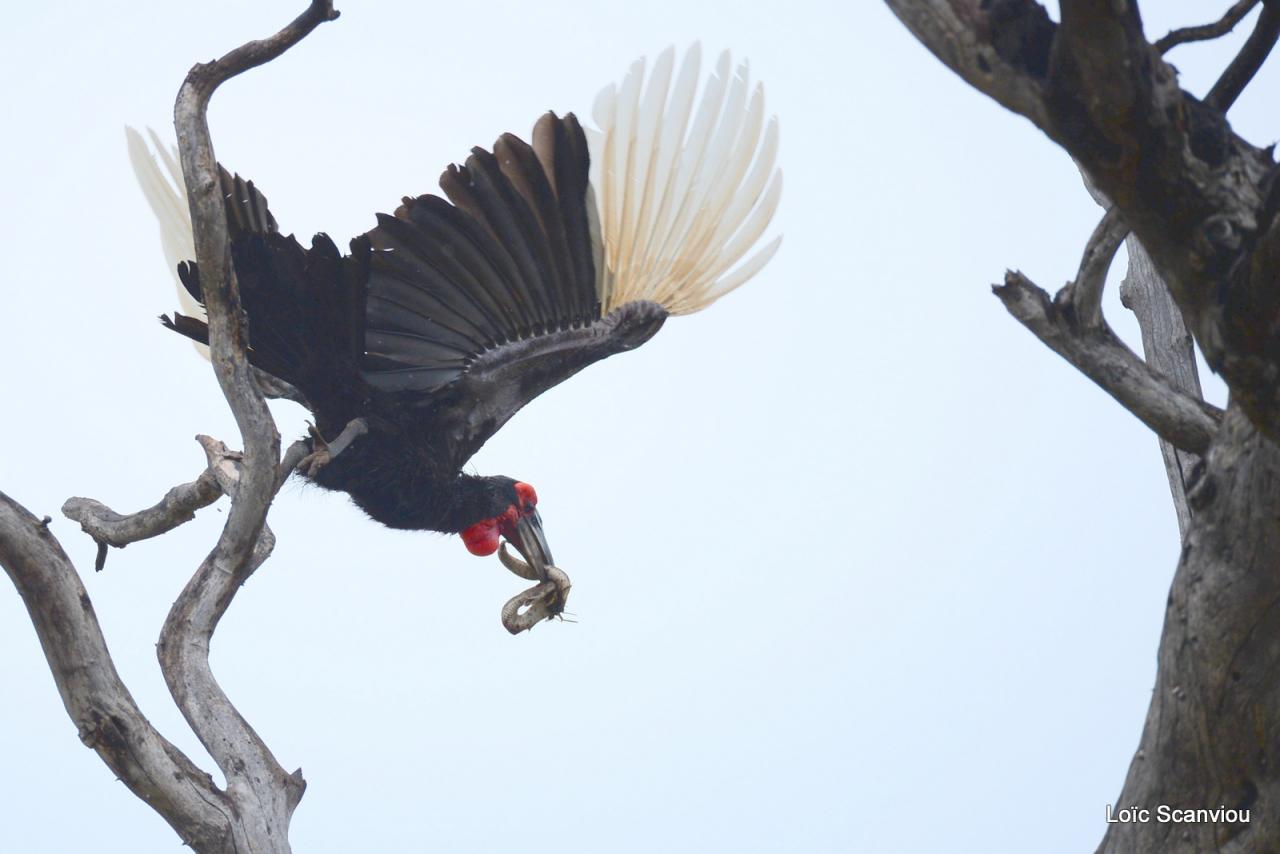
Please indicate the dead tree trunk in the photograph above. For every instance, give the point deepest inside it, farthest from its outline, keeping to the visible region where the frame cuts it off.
(1202, 205)
(252, 813)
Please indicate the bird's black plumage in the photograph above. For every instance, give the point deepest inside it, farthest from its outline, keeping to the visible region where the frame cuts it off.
(438, 326)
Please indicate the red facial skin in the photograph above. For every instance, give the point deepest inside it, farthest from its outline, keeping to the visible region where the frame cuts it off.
(481, 539)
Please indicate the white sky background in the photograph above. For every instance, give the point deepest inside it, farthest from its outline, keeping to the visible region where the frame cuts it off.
(860, 565)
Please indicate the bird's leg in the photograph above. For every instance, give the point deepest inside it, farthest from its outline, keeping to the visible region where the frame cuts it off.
(322, 452)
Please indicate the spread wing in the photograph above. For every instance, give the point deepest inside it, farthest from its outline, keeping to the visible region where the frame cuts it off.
(683, 194)
(540, 259)
(504, 262)
(548, 257)
(480, 302)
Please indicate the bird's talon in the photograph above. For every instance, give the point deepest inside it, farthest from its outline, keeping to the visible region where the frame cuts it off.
(320, 455)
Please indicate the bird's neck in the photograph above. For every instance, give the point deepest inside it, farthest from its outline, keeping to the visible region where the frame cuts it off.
(400, 492)
(447, 505)
(464, 502)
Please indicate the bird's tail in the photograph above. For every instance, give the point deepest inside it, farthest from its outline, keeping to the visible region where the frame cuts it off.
(159, 176)
(681, 195)
(305, 306)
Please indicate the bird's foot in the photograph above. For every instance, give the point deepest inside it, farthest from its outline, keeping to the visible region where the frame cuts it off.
(322, 452)
(321, 455)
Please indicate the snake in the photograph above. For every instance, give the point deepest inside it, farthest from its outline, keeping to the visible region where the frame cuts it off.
(544, 600)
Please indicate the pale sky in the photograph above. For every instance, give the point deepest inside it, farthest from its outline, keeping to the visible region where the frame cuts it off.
(859, 564)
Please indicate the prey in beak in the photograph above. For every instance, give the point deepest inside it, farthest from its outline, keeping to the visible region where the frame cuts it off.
(545, 599)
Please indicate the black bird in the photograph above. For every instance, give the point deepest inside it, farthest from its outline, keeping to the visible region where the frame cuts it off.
(448, 317)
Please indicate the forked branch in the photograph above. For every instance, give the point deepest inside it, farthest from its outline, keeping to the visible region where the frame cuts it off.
(1205, 32)
(1248, 61)
(1205, 205)
(1073, 326)
(1194, 192)
(1096, 352)
(253, 813)
(265, 794)
(95, 698)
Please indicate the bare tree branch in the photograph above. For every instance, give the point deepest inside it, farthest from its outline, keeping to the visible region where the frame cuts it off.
(97, 702)
(264, 793)
(1084, 294)
(227, 339)
(179, 505)
(1167, 347)
(1102, 357)
(951, 29)
(1245, 66)
(1204, 32)
(253, 813)
(1205, 205)
(1191, 190)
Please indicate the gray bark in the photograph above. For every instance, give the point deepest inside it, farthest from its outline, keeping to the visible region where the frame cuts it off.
(1204, 207)
(95, 698)
(1178, 418)
(1167, 347)
(252, 813)
(1207, 741)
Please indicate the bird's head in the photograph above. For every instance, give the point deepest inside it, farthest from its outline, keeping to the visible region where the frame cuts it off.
(508, 509)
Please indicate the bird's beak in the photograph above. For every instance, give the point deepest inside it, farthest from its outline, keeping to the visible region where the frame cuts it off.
(532, 544)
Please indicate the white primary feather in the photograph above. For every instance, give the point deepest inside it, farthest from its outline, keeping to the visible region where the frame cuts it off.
(682, 196)
(167, 196)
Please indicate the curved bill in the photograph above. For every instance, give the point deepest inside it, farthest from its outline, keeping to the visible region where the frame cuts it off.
(532, 544)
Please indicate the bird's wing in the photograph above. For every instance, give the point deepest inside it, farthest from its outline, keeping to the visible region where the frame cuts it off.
(479, 302)
(492, 275)
(556, 255)
(541, 259)
(683, 194)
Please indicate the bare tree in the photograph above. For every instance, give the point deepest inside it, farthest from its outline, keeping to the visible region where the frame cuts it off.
(252, 812)
(1201, 205)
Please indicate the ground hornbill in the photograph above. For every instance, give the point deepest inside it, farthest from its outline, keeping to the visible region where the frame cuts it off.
(452, 314)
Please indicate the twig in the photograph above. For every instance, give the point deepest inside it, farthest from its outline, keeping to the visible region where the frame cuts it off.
(179, 505)
(1247, 62)
(1098, 354)
(1204, 32)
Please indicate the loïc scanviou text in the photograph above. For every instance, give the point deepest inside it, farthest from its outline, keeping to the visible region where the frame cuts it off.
(1165, 814)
